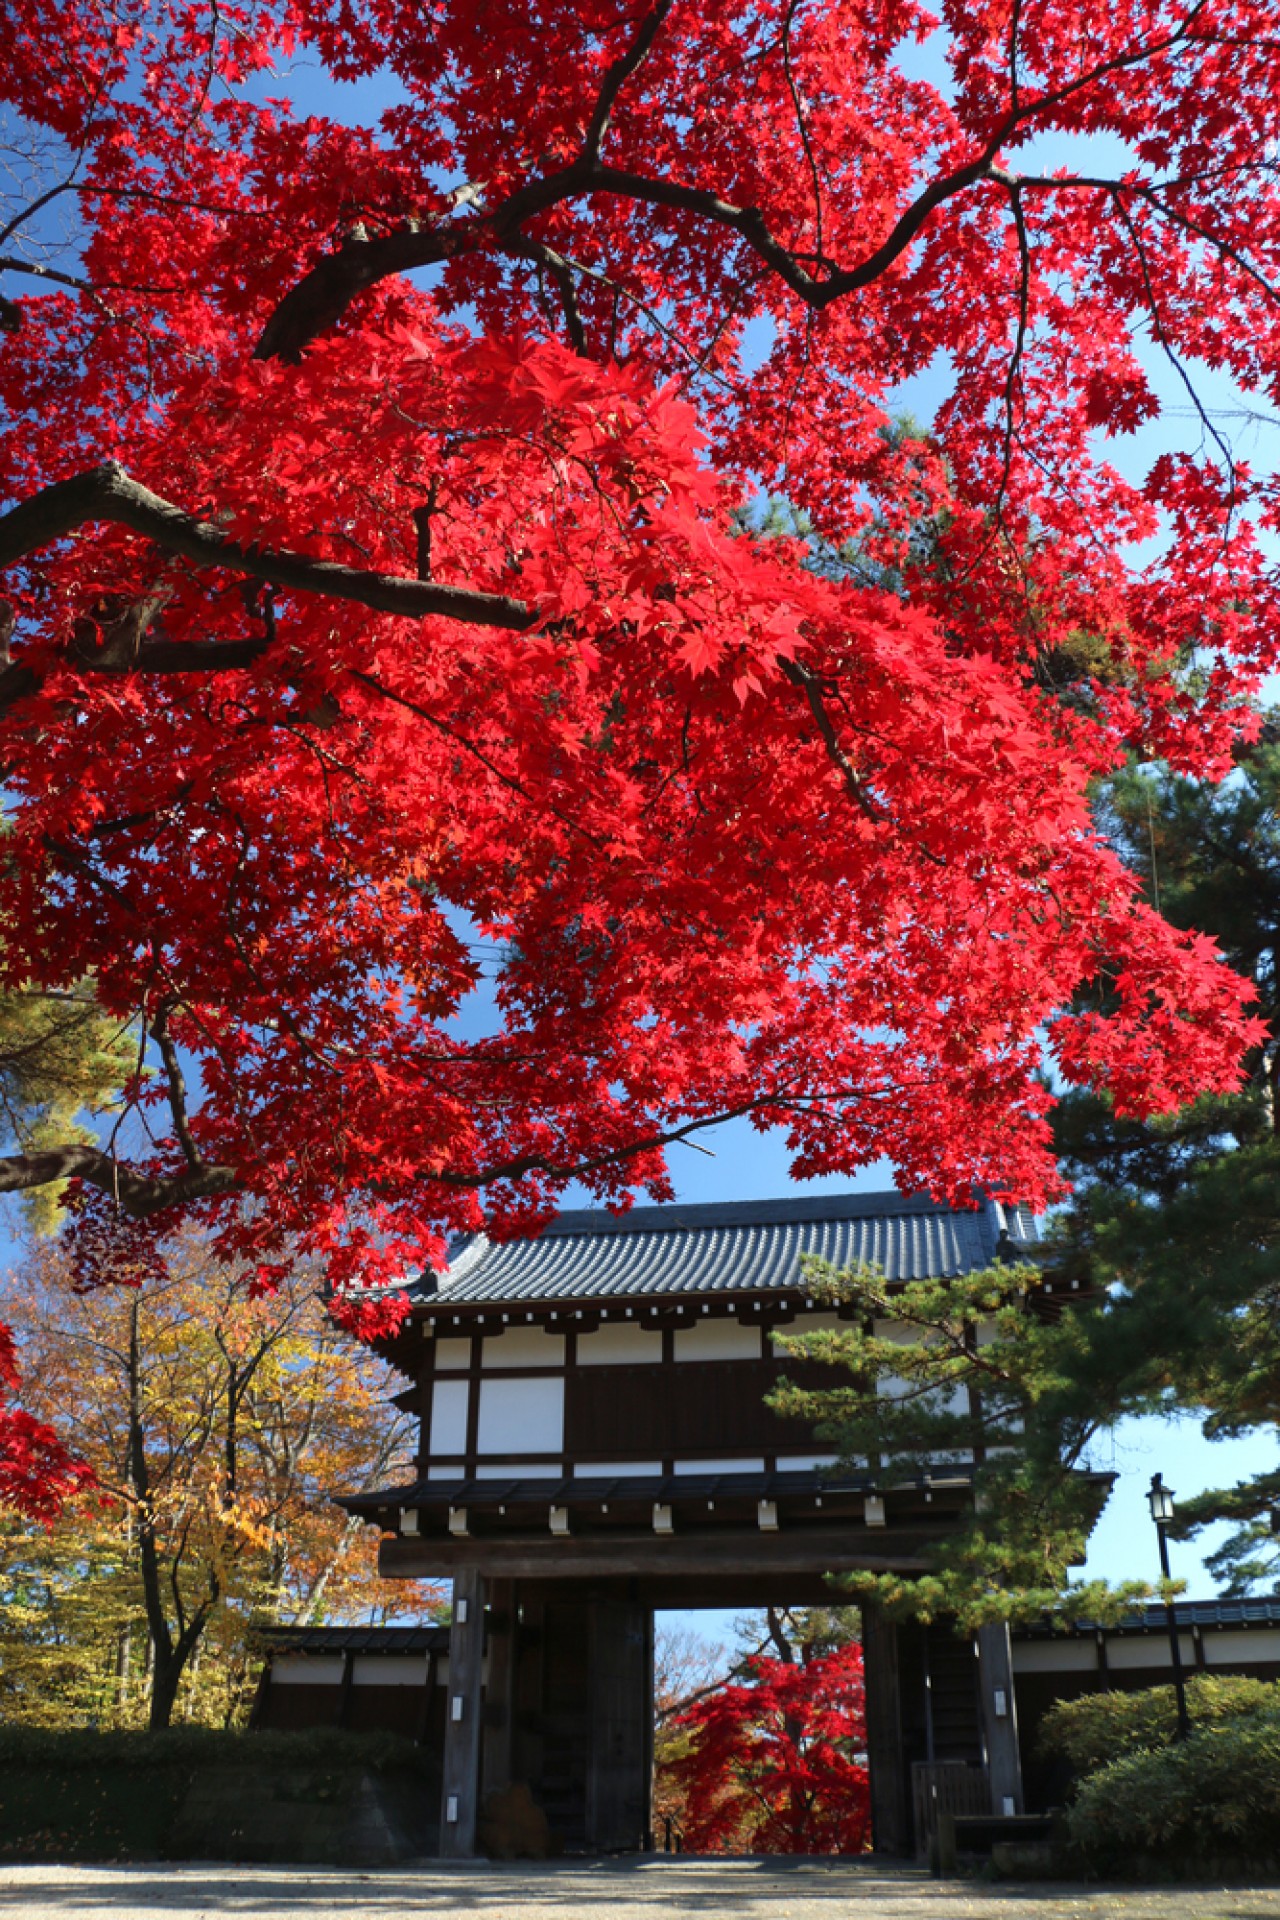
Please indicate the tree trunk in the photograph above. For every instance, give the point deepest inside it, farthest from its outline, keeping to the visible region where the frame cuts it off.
(166, 1678)
(124, 1654)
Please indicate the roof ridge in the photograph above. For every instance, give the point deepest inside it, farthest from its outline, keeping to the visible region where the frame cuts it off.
(677, 1216)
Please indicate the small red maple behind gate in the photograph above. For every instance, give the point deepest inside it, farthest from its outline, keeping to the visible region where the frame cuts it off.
(777, 1762)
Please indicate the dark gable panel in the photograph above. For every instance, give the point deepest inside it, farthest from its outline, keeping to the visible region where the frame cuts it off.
(714, 1406)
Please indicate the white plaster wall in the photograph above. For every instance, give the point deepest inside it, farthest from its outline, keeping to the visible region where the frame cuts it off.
(389, 1670)
(718, 1340)
(616, 1469)
(452, 1355)
(521, 1416)
(515, 1470)
(1055, 1656)
(1234, 1649)
(1150, 1650)
(619, 1345)
(522, 1347)
(448, 1417)
(306, 1669)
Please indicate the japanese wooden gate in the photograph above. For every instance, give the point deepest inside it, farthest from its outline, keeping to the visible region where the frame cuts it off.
(596, 1446)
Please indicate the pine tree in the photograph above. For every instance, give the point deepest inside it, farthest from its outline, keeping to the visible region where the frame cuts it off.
(1178, 1219)
(62, 1061)
(977, 1369)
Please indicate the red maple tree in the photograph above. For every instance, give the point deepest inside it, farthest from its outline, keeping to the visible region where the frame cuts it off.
(37, 1472)
(777, 1762)
(380, 605)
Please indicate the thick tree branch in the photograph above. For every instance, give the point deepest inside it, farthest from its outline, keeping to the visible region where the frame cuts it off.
(618, 75)
(176, 1085)
(140, 1195)
(320, 298)
(324, 293)
(108, 493)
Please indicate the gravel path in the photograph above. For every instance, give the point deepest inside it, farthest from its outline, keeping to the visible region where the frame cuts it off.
(643, 1890)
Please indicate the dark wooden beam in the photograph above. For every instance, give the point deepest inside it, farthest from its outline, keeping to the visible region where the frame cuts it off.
(627, 1553)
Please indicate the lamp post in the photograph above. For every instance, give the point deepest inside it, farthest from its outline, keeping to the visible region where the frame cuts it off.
(1160, 1501)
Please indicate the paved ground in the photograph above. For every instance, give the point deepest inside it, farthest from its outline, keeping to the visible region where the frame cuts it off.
(648, 1890)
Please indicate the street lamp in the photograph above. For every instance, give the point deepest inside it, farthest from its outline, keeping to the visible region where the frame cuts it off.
(1160, 1501)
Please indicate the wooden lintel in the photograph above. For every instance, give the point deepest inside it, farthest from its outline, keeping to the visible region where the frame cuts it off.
(679, 1309)
(815, 1551)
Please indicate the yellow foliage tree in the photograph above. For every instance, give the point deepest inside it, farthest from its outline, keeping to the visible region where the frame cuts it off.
(217, 1425)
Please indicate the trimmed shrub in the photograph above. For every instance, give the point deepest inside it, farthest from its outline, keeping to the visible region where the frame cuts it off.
(198, 1792)
(1147, 1802)
(1091, 1732)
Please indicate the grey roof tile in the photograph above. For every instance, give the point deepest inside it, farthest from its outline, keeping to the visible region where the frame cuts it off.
(416, 1639)
(529, 1491)
(731, 1247)
(1153, 1621)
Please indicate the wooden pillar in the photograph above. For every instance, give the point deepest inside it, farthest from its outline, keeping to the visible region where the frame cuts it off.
(499, 1689)
(344, 1691)
(1000, 1717)
(461, 1774)
(527, 1733)
(619, 1777)
(886, 1760)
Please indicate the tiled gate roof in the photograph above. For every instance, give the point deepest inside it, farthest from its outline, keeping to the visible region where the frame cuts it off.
(736, 1246)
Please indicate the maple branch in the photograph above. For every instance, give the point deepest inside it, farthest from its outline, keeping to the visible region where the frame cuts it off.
(422, 519)
(561, 271)
(318, 301)
(802, 128)
(450, 733)
(321, 297)
(109, 493)
(177, 1086)
(127, 649)
(1175, 361)
(1019, 345)
(11, 263)
(811, 685)
(616, 78)
(138, 1194)
(1153, 193)
(516, 1168)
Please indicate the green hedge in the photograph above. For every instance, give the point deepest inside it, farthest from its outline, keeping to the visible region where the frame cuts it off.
(195, 1792)
(191, 1747)
(1145, 1802)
